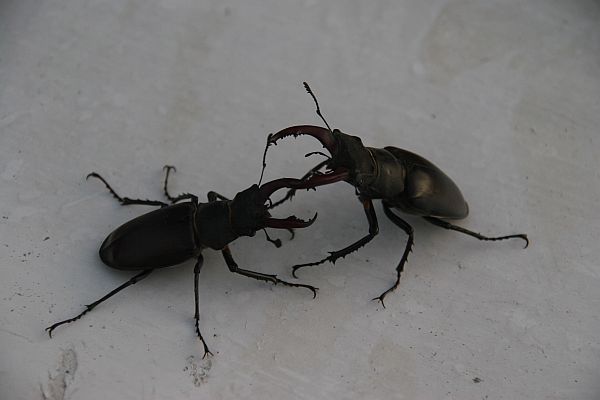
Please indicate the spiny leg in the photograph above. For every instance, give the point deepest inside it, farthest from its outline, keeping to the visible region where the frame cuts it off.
(447, 225)
(168, 168)
(233, 267)
(334, 255)
(90, 307)
(183, 196)
(214, 196)
(126, 200)
(409, 243)
(197, 269)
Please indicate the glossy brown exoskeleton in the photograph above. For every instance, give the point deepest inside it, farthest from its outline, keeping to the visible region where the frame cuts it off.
(401, 179)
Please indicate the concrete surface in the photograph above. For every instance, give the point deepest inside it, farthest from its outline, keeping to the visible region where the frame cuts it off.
(503, 95)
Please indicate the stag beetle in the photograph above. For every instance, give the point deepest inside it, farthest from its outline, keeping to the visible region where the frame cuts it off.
(401, 179)
(177, 232)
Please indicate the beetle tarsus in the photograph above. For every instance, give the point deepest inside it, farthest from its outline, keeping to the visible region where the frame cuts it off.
(380, 298)
(91, 306)
(197, 269)
(407, 249)
(335, 255)
(447, 225)
(168, 169)
(125, 201)
(276, 242)
(233, 267)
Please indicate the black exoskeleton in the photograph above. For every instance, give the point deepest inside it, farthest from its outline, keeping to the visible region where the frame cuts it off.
(180, 231)
(401, 179)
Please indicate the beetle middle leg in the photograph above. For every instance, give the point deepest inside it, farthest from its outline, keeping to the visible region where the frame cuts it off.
(233, 267)
(90, 307)
(409, 231)
(197, 269)
(334, 255)
(448, 225)
(125, 201)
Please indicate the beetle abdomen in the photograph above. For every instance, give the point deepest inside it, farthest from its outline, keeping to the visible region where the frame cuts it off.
(161, 238)
(428, 190)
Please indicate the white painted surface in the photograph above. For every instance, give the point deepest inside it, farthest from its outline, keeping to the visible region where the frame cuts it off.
(503, 95)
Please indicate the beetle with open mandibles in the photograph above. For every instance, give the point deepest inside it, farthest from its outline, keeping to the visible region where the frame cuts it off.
(401, 179)
(181, 230)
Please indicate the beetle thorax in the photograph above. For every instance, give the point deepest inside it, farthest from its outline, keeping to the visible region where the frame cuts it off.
(213, 227)
(248, 212)
(356, 158)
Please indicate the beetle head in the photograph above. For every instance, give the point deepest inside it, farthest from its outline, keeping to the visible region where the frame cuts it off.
(249, 212)
(350, 154)
(350, 159)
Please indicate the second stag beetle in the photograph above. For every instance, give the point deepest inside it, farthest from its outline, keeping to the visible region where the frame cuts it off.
(179, 231)
(401, 179)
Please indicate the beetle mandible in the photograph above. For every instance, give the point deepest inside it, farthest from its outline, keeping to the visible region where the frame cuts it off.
(401, 179)
(179, 231)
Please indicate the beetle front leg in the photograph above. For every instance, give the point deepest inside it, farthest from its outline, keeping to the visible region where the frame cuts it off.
(233, 267)
(90, 307)
(448, 225)
(290, 193)
(125, 201)
(197, 269)
(334, 255)
(409, 231)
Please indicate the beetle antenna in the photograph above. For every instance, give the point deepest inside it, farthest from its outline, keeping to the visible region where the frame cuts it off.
(264, 160)
(309, 91)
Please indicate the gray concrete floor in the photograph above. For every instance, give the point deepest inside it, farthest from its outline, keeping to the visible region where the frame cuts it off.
(503, 95)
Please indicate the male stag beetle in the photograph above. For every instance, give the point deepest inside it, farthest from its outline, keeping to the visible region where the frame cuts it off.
(180, 231)
(401, 179)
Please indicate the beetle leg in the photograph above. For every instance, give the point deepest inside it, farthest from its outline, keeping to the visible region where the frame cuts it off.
(409, 231)
(233, 267)
(447, 225)
(183, 196)
(290, 193)
(125, 201)
(276, 242)
(197, 269)
(90, 307)
(168, 168)
(334, 255)
(214, 196)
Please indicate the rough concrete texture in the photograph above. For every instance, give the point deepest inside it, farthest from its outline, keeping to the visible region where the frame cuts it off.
(503, 95)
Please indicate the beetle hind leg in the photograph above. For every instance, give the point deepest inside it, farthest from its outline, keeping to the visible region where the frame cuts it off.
(409, 244)
(448, 225)
(125, 201)
(90, 307)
